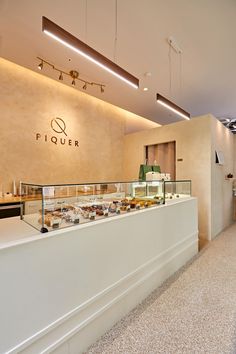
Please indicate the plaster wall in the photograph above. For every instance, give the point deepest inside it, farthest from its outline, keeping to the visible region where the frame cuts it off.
(193, 145)
(28, 103)
(234, 138)
(221, 188)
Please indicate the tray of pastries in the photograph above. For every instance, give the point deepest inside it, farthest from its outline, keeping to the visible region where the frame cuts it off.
(88, 210)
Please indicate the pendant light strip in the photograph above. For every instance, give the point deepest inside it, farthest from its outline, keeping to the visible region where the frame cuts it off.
(172, 106)
(59, 34)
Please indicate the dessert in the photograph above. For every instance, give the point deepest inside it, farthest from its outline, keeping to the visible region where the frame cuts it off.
(112, 208)
(99, 212)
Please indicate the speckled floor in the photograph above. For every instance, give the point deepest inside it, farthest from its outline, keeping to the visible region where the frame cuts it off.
(193, 312)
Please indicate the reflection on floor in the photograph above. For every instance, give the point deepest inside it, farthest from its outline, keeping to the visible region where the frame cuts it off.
(193, 312)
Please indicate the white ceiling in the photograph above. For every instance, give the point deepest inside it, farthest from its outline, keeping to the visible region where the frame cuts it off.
(204, 29)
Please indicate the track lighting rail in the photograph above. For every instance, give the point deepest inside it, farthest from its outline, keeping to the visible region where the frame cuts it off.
(73, 74)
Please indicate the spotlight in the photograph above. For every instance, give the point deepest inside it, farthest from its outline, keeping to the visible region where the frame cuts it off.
(73, 74)
(61, 77)
(40, 66)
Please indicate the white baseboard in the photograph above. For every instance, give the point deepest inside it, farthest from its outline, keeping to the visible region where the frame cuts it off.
(87, 322)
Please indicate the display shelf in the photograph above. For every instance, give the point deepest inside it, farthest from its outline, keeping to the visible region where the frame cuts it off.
(61, 206)
(175, 190)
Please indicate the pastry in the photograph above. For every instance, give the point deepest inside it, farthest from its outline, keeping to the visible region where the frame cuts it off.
(86, 214)
(67, 218)
(112, 208)
(99, 212)
(47, 220)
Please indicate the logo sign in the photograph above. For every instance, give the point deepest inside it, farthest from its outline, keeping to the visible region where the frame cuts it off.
(58, 125)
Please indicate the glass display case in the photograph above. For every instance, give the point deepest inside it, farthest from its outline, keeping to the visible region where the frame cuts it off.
(148, 189)
(50, 207)
(177, 189)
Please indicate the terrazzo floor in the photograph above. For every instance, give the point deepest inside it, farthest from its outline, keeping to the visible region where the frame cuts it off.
(193, 312)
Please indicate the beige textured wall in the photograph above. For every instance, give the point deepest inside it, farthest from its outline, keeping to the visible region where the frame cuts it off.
(193, 145)
(221, 189)
(28, 102)
(234, 138)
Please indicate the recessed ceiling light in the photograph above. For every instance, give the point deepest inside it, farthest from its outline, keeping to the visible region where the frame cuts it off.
(145, 89)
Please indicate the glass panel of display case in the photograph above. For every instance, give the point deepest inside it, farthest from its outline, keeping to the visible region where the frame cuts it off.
(32, 212)
(155, 191)
(177, 189)
(49, 207)
(139, 189)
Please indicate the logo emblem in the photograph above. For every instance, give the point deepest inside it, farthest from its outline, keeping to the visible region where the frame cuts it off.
(58, 125)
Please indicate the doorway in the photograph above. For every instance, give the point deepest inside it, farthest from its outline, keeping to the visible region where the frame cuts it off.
(164, 156)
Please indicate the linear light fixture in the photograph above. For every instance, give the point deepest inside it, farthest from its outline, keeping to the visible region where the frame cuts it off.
(59, 34)
(172, 106)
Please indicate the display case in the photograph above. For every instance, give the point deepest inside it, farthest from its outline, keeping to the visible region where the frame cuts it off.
(50, 207)
(177, 189)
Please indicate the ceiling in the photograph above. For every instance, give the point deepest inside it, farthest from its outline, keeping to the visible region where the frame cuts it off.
(201, 80)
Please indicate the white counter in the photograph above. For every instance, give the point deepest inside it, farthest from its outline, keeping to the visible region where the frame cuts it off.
(13, 231)
(70, 285)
